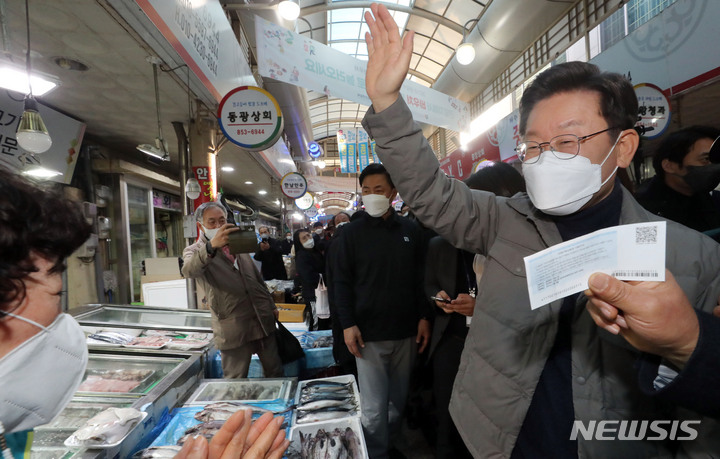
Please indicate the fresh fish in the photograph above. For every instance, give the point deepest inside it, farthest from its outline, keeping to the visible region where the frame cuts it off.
(221, 411)
(353, 443)
(321, 404)
(328, 385)
(206, 429)
(157, 452)
(326, 415)
(336, 449)
(315, 397)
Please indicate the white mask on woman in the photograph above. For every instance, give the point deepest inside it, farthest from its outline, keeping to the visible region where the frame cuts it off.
(376, 204)
(40, 376)
(309, 244)
(560, 186)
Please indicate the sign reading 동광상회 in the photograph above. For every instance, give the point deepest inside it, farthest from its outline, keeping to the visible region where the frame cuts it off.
(250, 117)
(293, 185)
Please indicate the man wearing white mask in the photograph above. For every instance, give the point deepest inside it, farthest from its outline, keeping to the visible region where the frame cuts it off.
(243, 312)
(42, 351)
(378, 289)
(621, 352)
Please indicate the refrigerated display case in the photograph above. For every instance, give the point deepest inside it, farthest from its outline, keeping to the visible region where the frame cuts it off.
(147, 224)
(248, 390)
(154, 384)
(156, 318)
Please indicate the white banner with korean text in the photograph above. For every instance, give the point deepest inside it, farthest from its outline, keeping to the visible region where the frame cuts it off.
(291, 58)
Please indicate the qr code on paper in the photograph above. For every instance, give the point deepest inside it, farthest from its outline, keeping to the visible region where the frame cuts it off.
(646, 235)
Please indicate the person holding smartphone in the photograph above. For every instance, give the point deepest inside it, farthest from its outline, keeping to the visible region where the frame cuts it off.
(451, 282)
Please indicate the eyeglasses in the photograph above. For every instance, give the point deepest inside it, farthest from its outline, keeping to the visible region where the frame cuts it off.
(529, 152)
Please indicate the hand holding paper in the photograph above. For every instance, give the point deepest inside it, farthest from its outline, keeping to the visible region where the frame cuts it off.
(654, 317)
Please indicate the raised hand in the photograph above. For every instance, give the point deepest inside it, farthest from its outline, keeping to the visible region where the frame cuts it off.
(388, 57)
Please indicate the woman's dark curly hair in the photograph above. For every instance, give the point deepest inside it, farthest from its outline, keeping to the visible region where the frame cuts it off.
(33, 222)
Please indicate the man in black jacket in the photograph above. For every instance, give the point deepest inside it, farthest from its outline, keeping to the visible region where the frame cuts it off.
(683, 187)
(269, 253)
(381, 306)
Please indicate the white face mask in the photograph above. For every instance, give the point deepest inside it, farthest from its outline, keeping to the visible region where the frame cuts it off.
(376, 204)
(289, 238)
(40, 376)
(340, 224)
(210, 233)
(562, 186)
(319, 231)
(309, 244)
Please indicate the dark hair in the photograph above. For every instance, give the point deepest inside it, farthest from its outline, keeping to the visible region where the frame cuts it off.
(618, 102)
(296, 239)
(33, 221)
(374, 169)
(334, 221)
(677, 145)
(499, 178)
(318, 224)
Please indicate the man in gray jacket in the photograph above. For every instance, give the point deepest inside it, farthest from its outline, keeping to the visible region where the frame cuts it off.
(535, 383)
(243, 312)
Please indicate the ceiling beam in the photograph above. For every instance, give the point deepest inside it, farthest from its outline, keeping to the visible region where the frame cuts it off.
(325, 7)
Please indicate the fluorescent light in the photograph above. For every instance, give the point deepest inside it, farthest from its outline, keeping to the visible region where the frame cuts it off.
(262, 192)
(248, 182)
(15, 79)
(486, 120)
(227, 169)
(42, 172)
(289, 10)
(297, 216)
(277, 202)
(465, 53)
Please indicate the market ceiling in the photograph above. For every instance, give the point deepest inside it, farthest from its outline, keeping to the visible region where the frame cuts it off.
(114, 96)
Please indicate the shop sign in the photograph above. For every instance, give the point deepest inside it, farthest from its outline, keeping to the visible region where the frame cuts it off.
(653, 110)
(293, 185)
(205, 177)
(167, 201)
(305, 202)
(250, 117)
(311, 212)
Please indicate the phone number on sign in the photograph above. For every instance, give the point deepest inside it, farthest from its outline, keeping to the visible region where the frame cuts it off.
(250, 131)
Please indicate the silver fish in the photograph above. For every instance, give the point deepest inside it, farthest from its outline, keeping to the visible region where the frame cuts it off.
(317, 416)
(157, 452)
(321, 404)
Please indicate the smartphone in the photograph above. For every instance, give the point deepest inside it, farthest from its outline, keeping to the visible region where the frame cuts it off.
(243, 240)
(442, 300)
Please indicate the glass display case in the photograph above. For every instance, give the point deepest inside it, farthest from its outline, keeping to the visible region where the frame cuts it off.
(49, 439)
(115, 375)
(251, 390)
(119, 316)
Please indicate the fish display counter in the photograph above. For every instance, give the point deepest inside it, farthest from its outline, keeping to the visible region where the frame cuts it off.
(322, 416)
(144, 330)
(152, 384)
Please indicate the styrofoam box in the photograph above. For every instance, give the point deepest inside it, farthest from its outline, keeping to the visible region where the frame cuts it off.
(340, 379)
(168, 294)
(304, 433)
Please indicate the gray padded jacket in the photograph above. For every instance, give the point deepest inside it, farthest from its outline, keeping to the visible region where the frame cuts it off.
(508, 343)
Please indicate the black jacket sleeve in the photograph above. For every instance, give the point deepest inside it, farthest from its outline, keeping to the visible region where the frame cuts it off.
(343, 262)
(309, 276)
(696, 386)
